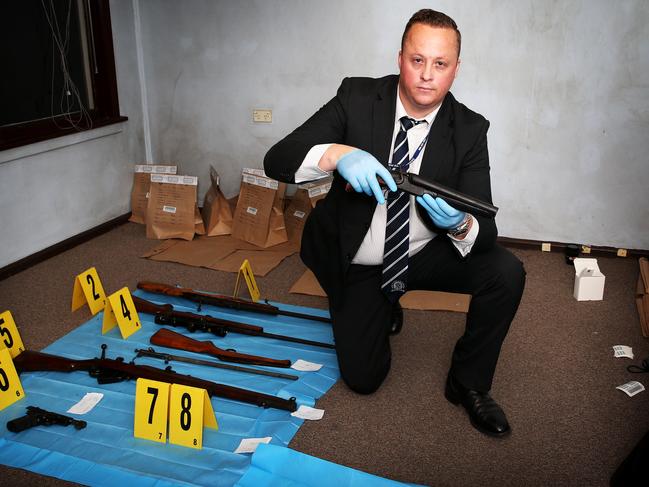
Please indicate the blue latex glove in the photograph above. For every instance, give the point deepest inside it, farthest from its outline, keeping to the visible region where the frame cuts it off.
(442, 214)
(360, 169)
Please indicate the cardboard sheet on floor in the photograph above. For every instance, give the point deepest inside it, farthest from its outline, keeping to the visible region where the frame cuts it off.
(261, 261)
(423, 300)
(106, 453)
(274, 466)
(224, 253)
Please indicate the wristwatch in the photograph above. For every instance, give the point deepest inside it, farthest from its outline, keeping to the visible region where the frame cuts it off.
(461, 228)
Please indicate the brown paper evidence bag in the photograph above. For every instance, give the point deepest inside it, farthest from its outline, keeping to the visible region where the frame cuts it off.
(141, 186)
(216, 210)
(171, 209)
(259, 215)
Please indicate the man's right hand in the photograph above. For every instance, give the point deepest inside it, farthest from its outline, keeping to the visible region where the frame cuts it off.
(361, 169)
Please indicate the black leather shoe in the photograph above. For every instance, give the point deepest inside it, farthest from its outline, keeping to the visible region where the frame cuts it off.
(397, 319)
(486, 416)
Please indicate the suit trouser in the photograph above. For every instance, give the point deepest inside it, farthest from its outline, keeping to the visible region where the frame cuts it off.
(495, 280)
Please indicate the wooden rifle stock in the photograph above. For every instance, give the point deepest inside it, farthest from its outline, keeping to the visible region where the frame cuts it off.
(223, 301)
(114, 370)
(171, 339)
(165, 315)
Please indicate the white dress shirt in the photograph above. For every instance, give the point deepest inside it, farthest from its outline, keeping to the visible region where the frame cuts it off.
(371, 250)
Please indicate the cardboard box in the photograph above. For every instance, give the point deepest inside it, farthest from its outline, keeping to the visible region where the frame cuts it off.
(589, 281)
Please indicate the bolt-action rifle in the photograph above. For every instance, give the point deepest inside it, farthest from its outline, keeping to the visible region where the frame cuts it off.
(171, 339)
(116, 370)
(165, 315)
(167, 357)
(224, 301)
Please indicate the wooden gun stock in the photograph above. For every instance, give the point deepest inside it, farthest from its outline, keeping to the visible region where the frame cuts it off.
(171, 339)
(30, 361)
(157, 288)
(144, 306)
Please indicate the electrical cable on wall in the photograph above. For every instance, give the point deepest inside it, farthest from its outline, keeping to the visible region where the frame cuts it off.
(70, 96)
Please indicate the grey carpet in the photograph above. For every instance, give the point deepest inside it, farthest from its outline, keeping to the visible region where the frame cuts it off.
(556, 376)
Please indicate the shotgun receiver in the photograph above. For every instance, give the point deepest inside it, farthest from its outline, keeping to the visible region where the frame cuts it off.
(165, 315)
(223, 301)
(416, 185)
(116, 370)
(171, 339)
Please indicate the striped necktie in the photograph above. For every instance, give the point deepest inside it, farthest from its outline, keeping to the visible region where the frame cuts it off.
(395, 251)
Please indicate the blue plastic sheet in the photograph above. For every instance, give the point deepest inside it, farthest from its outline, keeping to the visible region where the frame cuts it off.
(274, 466)
(106, 453)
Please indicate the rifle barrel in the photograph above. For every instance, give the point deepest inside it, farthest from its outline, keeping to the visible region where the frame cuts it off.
(297, 314)
(294, 340)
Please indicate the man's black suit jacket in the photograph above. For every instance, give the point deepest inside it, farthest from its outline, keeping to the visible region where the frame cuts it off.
(362, 114)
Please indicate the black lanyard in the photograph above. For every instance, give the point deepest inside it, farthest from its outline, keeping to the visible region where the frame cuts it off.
(416, 154)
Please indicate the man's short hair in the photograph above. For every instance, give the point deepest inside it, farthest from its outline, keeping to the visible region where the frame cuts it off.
(433, 18)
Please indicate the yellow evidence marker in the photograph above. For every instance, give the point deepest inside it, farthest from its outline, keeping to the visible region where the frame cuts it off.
(88, 289)
(249, 277)
(151, 410)
(11, 390)
(189, 410)
(9, 336)
(121, 311)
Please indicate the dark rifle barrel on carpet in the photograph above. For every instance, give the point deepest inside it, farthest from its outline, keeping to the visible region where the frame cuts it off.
(224, 301)
(171, 339)
(166, 315)
(167, 357)
(116, 370)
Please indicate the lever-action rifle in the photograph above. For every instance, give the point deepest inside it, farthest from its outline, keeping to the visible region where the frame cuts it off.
(37, 416)
(116, 370)
(223, 301)
(165, 315)
(171, 339)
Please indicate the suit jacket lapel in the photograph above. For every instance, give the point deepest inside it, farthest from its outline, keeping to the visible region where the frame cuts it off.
(384, 109)
(437, 153)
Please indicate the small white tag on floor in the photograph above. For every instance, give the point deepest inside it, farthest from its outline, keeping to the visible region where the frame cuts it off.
(631, 388)
(249, 445)
(306, 412)
(305, 366)
(622, 351)
(86, 404)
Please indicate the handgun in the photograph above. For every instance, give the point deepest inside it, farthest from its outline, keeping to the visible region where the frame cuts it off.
(36, 416)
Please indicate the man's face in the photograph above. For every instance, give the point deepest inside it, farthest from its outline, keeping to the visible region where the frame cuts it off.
(428, 64)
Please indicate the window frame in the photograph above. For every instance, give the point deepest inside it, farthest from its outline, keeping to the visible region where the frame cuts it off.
(104, 87)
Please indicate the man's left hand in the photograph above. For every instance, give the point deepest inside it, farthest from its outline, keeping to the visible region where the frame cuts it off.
(442, 214)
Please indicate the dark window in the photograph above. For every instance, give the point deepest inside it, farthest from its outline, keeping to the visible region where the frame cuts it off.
(58, 69)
